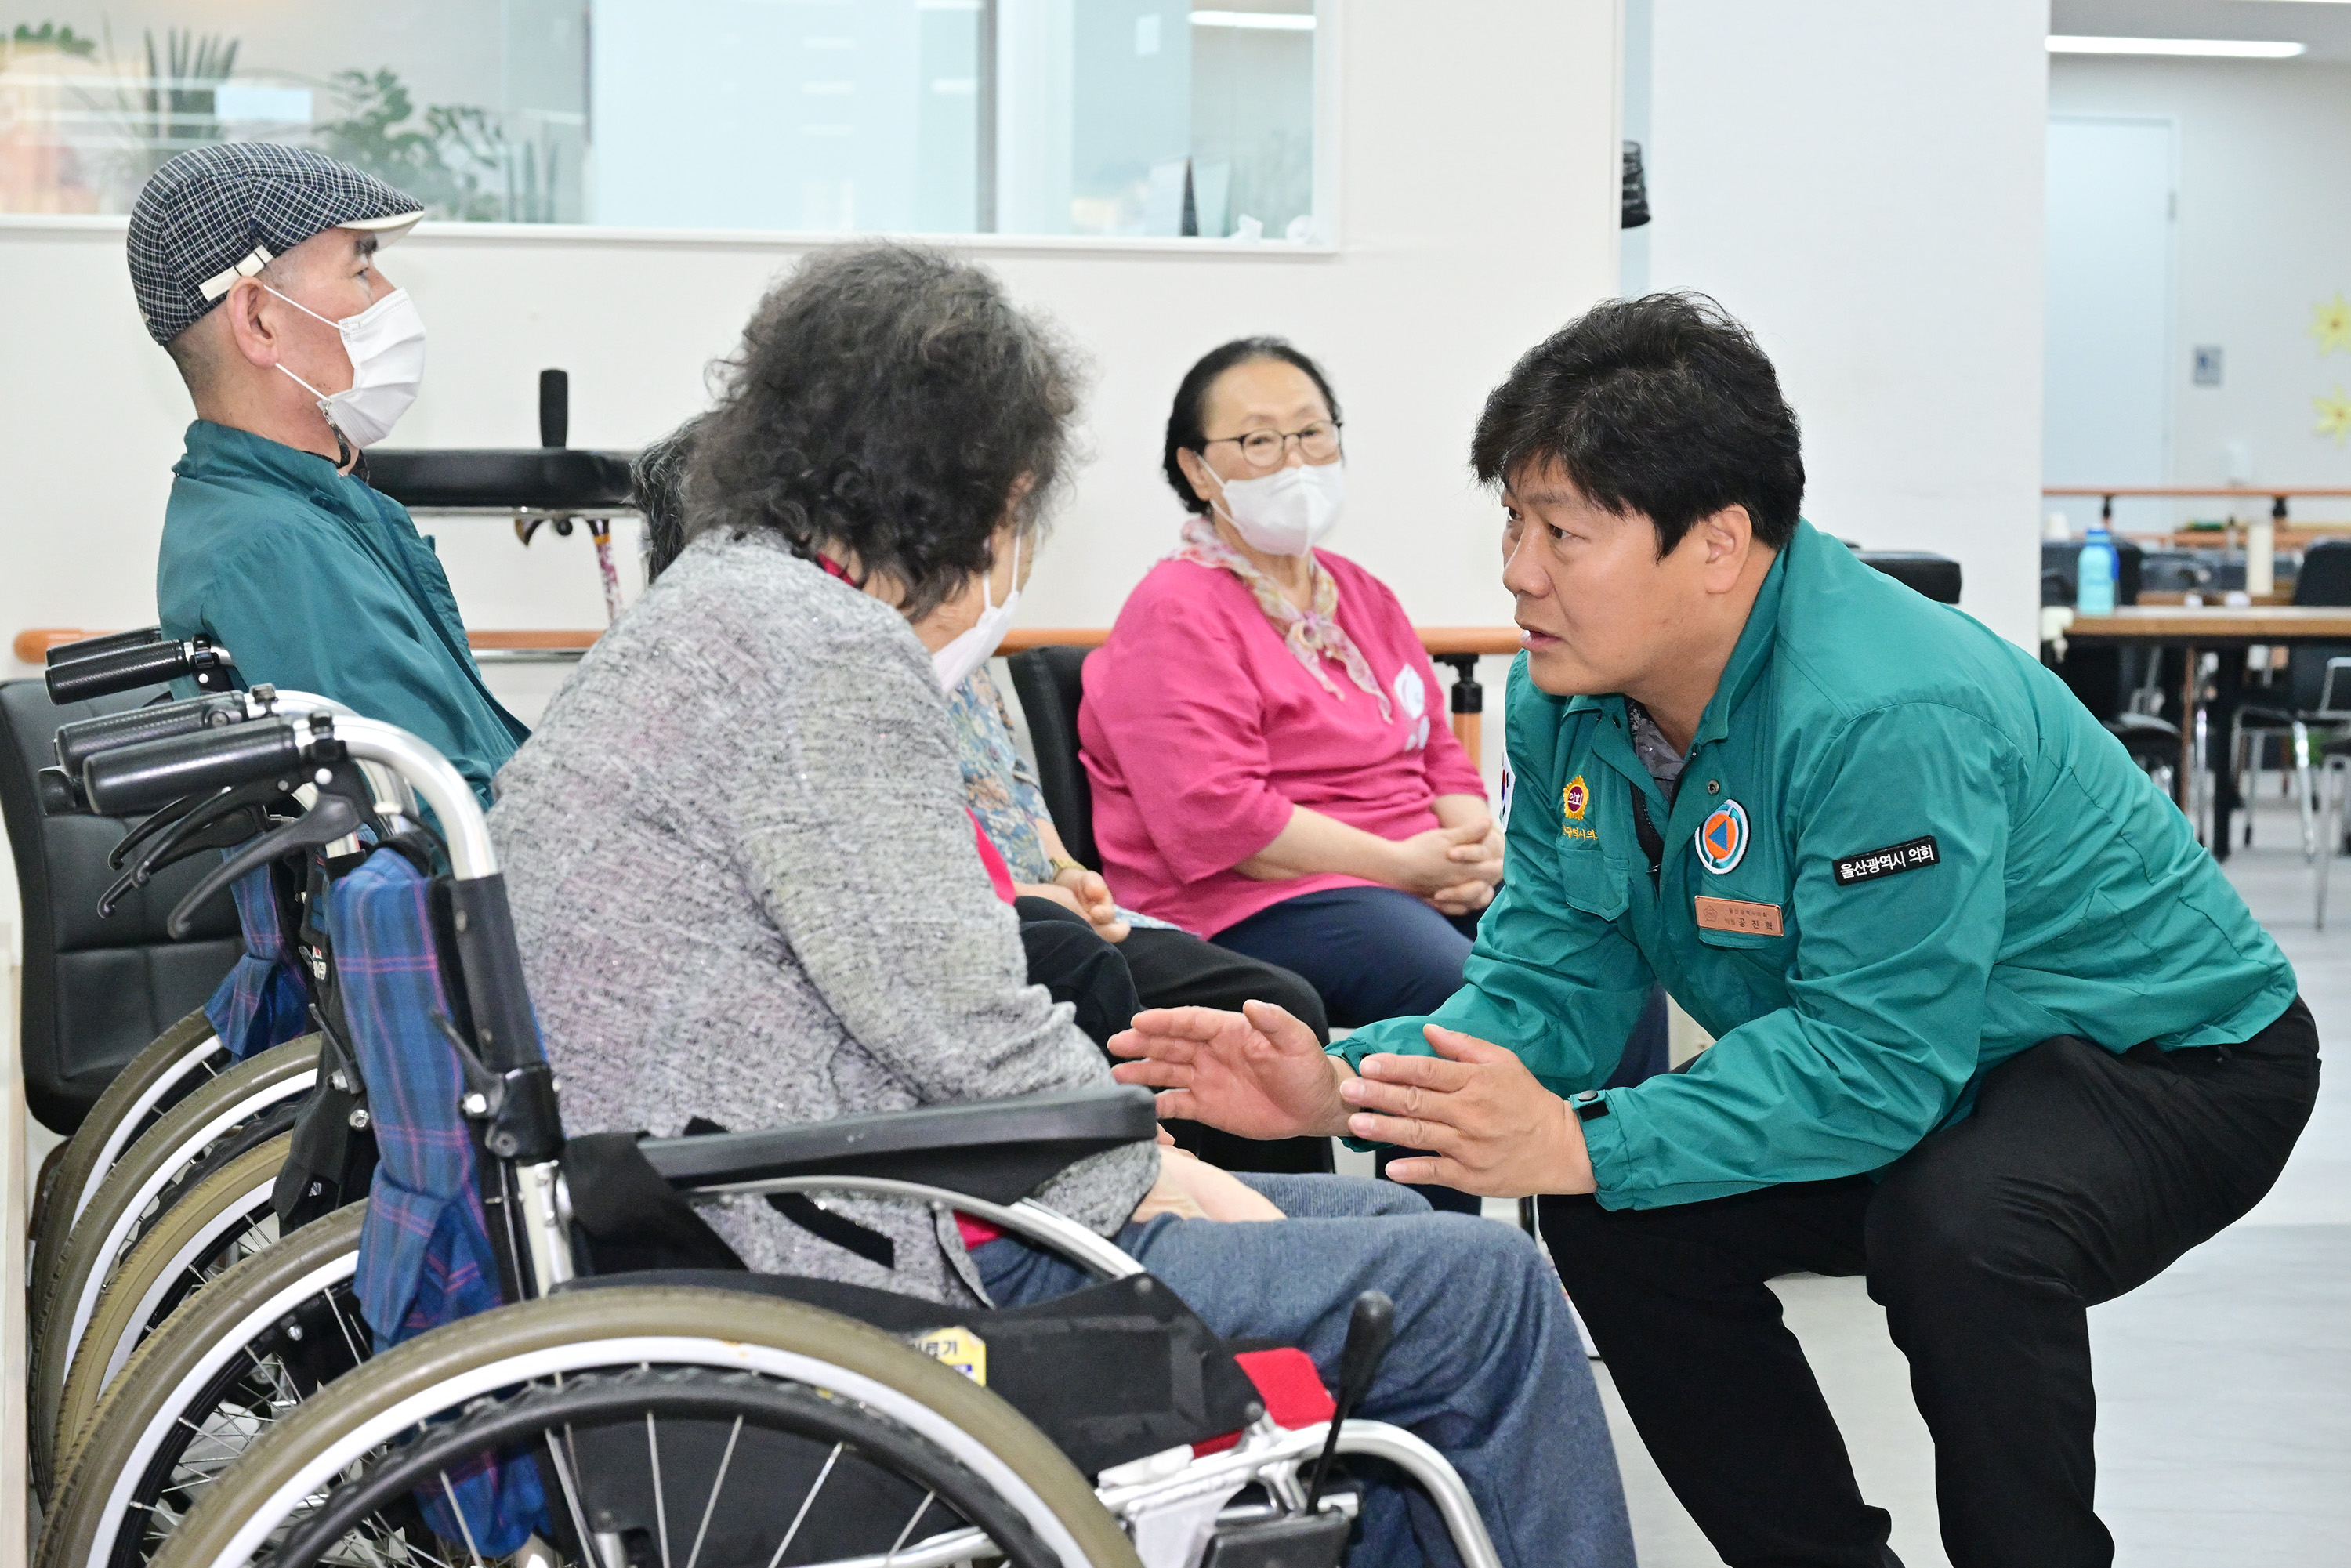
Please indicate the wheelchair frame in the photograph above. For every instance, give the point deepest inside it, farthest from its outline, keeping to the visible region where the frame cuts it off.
(511, 1099)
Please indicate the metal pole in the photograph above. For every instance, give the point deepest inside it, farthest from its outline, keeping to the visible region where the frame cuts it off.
(984, 137)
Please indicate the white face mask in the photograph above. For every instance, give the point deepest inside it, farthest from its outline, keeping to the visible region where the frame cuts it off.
(1289, 510)
(956, 661)
(386, 345)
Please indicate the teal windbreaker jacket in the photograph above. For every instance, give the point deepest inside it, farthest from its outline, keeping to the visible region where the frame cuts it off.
(1900, 854)
(318, 583)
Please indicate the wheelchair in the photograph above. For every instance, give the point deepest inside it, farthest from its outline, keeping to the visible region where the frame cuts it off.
(155, 1224)
(532, 1350)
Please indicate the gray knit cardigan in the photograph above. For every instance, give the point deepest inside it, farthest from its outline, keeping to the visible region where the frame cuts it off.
(746, 889)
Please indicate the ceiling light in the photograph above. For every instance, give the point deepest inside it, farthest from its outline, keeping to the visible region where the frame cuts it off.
(2227, 48)
(1271, 21)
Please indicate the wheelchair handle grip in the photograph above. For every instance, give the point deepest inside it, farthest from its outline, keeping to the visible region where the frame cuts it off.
(84, 738)
(124, 670)
(89, 647)
(133, 778)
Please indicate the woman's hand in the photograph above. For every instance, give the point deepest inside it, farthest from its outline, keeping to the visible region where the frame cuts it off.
(1258, 1072)
(1443, 859)
(1101, 914)
(1091, 896)
(1463, 898)
(1190, 1189)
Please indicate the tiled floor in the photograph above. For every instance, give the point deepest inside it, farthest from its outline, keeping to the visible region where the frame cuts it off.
(2224, 1433)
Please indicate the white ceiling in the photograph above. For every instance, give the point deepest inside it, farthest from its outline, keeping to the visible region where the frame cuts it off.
(2323, 25)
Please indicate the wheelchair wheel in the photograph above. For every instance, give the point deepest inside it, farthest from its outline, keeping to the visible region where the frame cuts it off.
(669, 1426)
(172, 1066)
(227, 1219)
(238, 1357)
(165, 1163)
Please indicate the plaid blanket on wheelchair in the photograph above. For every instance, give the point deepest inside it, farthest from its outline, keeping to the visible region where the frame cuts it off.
(261, 1001)
(424, 1249)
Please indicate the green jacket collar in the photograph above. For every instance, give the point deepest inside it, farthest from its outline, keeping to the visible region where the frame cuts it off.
(218, 450)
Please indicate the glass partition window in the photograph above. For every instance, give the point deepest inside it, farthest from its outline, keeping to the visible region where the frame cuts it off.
(1021, 117)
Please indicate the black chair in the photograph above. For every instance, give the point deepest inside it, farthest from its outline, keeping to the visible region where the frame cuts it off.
(1935, 576)
(1050, 683)
(95, 991)
(2307, 704)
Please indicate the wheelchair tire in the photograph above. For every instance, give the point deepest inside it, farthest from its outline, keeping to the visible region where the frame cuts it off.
(170, 1068)
(202, 1386)
(132, 1197)
(483, 1369)
(227, 1217)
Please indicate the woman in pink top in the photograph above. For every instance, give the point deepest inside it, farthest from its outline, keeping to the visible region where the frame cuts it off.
(1270, 762)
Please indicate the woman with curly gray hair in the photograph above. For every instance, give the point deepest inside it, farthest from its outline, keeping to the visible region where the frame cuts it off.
(747, 893)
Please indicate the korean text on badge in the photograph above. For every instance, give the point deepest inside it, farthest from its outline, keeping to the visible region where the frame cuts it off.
(1909, 855)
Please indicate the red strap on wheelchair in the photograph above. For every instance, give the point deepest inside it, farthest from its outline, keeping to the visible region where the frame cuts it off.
(1293, 1390)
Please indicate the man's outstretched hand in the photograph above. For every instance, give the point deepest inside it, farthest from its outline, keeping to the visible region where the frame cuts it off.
(1258, 1072)
(1488, 1126)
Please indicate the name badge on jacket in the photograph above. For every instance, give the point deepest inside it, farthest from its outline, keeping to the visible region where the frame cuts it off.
(1737, 915)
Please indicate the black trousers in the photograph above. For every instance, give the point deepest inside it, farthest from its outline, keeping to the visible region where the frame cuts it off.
(2080, 1176)
(1108, 983)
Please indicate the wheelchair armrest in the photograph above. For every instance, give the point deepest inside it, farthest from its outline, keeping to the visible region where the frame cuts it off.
(997, 1150)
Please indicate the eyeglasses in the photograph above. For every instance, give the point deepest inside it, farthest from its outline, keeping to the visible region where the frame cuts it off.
(1265, 450)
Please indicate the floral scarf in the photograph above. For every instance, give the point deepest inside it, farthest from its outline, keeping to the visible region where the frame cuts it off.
(1314, 633)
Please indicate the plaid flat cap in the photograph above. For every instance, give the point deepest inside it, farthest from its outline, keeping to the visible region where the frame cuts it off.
(218, 214)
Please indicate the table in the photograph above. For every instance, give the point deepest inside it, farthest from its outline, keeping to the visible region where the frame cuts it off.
(2228, 629)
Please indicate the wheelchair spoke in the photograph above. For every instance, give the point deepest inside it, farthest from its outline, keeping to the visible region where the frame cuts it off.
(560, 1453)
(661, 1492)
(463, 1528)
(343, 1327)
(921, 1509)
(785, 1545)
(711, 1501)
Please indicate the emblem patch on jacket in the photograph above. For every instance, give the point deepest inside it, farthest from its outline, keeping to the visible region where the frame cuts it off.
(1722, 838)
(1909, 855)
(1574, 799)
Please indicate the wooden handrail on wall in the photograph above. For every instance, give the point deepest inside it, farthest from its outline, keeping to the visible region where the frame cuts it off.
(1459, 647)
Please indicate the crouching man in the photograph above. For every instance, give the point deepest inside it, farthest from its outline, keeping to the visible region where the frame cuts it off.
(1992, 1027)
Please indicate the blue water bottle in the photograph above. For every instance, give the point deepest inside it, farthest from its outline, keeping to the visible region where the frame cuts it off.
(2095, 573)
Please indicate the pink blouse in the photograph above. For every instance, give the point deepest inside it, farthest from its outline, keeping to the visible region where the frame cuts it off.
(1201, 730)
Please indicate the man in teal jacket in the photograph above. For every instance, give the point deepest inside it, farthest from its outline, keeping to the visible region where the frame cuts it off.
(255, 267)
(1990, 1027)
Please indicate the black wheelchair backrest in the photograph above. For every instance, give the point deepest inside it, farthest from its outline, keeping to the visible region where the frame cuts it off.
(95, 991)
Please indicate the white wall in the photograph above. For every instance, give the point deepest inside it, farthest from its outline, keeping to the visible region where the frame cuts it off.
(1861, 183)
(2263, 235)
(1477, 210)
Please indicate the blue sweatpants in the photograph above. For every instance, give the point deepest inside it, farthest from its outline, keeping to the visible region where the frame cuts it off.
(1486, 1364)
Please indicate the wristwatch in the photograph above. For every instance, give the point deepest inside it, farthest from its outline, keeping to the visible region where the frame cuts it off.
(1063, 863)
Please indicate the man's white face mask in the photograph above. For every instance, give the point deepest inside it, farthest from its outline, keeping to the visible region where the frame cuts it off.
(386, 345)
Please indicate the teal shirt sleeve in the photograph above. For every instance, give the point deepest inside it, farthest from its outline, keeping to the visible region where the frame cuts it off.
(1886, 991)
(280, 602)
(1560, 986)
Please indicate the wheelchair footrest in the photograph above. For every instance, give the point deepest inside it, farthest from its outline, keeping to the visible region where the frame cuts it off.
(1304, 1540)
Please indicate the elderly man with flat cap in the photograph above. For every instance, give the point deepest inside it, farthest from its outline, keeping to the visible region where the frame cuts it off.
(256, 269)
